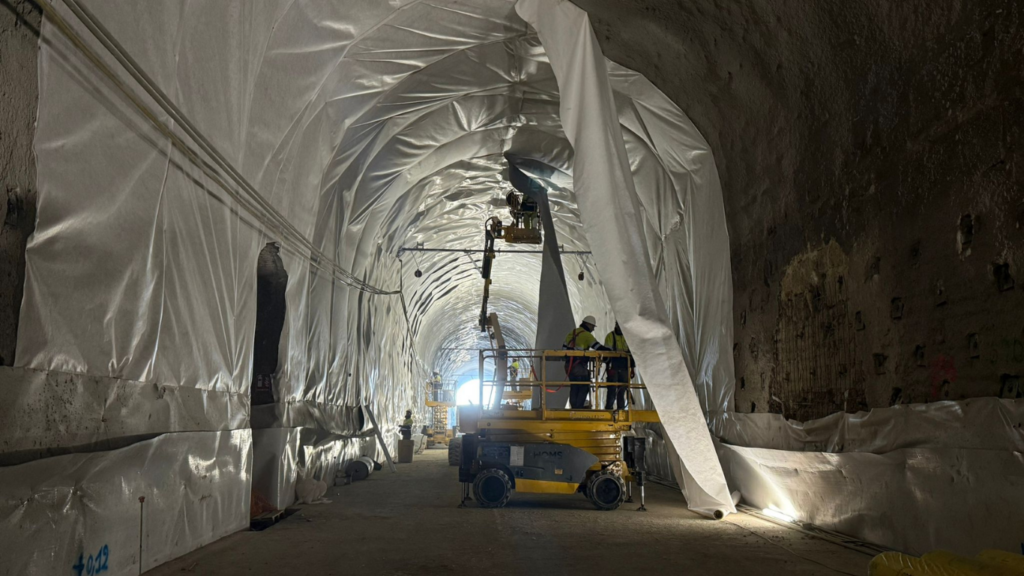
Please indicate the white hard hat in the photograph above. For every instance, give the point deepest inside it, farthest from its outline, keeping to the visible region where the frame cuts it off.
(590, 320)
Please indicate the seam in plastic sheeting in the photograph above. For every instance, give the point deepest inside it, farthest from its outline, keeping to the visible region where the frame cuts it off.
(46, 410)
(346, 420)
(84, 509)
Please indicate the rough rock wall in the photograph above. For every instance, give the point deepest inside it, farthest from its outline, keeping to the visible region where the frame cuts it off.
(874, 187)
(19, 34)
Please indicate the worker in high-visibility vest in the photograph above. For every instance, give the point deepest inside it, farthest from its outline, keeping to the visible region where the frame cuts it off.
(576, 368)
(435, 386)
(618, 370)
(513, 371)
(406, 428)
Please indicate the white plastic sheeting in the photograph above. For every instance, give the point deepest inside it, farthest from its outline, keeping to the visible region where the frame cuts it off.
(608, 202)
(45, 412)
(914, 500)
(84, 508)
(282, 455)
(370, 126)
(373, 126)
(975, 424)
(944, 475)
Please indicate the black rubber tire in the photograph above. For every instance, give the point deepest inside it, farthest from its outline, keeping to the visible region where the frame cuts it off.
(606, 490)
(492, 488)
(455, 451)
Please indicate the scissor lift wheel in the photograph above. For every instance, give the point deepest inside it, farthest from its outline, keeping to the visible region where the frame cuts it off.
(455, 451)
(492, 488)
(606, 490)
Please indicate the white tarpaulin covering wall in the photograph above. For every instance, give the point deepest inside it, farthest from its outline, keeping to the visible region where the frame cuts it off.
(368, 127)
(84, 509)
(915, 478)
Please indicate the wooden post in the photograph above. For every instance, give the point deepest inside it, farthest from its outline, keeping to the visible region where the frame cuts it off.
(380, 438)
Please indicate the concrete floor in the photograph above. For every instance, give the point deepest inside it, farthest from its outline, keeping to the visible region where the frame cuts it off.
(408, 523)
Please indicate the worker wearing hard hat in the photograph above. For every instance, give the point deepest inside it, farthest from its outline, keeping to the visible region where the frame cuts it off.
(406, 428)
(513, 371)
(618, 370)
(577, 368)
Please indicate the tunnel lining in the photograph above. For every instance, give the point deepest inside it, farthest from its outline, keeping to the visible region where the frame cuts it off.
(332, 348)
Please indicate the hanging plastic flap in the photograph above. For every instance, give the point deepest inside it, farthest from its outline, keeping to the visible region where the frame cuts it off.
(84, 509)
(607, 199)
(685, 226)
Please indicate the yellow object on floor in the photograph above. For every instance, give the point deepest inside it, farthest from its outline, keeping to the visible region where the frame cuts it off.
(941, 563)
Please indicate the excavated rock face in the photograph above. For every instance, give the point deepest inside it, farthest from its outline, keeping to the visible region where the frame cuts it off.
(874, 187)
(19, 33)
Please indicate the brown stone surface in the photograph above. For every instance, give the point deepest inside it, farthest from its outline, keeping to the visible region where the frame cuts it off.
(884, 133)
(19, 32)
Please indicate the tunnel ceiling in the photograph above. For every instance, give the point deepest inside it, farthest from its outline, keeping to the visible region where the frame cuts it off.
(371, 127)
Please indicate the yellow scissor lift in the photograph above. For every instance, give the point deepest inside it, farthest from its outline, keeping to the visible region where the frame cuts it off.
(550, 449)
(440, 399)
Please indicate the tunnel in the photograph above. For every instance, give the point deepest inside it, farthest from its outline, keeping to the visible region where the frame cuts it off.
(283, 283)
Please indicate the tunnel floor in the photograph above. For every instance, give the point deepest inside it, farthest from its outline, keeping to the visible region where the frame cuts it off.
(408, 523)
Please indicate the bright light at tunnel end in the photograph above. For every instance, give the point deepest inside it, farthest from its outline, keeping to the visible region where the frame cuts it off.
(469, 393)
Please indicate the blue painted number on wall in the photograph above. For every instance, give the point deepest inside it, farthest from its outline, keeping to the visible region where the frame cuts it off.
(92, 565)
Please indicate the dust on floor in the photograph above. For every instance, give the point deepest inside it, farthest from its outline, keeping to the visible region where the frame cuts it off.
(408, 523)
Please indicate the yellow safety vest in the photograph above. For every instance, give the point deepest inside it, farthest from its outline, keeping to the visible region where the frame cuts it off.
(580, 339)
(616, 342)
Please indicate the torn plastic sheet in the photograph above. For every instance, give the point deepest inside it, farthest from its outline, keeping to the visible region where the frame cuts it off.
(914, 500)
(60, 512)
(607, 199)
(554, 312)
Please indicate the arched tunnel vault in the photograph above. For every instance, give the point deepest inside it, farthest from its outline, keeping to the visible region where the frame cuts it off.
(369, 131)
(868, 153)
(344, 132)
